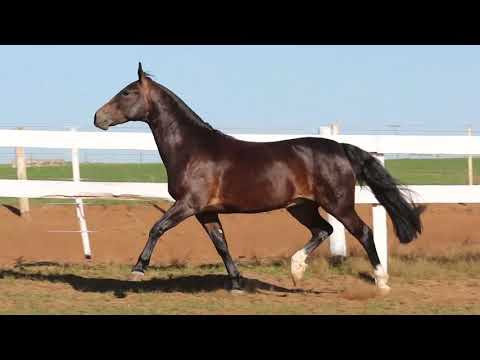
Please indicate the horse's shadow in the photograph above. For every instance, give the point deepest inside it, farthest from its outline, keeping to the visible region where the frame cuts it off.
(183, 283)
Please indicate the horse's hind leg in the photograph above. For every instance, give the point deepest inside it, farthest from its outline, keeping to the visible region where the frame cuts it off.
(307, 214)
(213, 227)
(347, 215)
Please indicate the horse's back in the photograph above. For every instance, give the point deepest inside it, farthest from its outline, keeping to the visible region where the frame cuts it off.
(276, 149)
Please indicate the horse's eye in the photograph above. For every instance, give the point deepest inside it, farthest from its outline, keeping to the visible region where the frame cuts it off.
(125, 93)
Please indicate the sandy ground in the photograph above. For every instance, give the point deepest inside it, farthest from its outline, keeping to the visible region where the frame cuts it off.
(120, 233)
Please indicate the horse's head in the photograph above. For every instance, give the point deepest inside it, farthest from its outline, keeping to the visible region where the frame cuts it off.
(130, 104)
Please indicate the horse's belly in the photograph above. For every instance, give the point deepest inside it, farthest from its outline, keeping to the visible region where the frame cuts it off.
(257, 194)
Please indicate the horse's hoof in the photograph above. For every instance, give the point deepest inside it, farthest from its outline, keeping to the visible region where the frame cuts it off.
(297, 278)
(384, 290)
(136, 276)
(237, 292)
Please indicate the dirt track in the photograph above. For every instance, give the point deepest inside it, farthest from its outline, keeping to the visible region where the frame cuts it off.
(121, 232)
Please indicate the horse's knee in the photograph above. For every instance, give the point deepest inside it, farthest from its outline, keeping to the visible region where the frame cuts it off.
(156, 231)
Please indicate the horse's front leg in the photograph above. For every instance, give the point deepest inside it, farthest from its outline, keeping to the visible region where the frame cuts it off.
(175, 215)
(213, 227)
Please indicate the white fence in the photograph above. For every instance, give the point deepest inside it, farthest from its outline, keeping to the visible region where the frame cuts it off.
(376, 144)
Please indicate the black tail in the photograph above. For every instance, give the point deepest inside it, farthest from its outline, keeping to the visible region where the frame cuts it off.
(404, 213)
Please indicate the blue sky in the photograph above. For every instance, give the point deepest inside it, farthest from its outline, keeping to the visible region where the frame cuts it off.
(252, 88)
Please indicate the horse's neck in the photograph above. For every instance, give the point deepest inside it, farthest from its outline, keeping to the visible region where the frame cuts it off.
(176, 137)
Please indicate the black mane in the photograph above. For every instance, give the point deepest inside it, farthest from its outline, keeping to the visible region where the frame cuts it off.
(192, 116)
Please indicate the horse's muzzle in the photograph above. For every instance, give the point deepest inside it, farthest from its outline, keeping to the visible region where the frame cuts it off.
(100, 121)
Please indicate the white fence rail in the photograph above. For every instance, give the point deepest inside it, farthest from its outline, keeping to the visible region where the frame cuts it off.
(382, 144)
(426, 194)
(377, 144)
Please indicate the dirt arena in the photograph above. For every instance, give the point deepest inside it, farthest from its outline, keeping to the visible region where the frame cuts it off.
(43, 272)
(120, 232)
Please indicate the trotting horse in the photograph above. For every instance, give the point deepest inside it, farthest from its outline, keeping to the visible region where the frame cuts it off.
(211, 173)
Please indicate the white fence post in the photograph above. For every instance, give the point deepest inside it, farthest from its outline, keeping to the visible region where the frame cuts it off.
(338, 244)
(21, 166)
(79, 204)
(379, 224)
(470, 162)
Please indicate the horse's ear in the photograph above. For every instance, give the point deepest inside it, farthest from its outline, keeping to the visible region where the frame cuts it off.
(141, 74)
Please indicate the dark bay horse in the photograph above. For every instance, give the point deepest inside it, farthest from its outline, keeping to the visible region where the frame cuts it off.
(211, 173)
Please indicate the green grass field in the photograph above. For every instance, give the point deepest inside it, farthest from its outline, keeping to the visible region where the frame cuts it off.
(93, 172)
(433, 171)
(408, 171)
